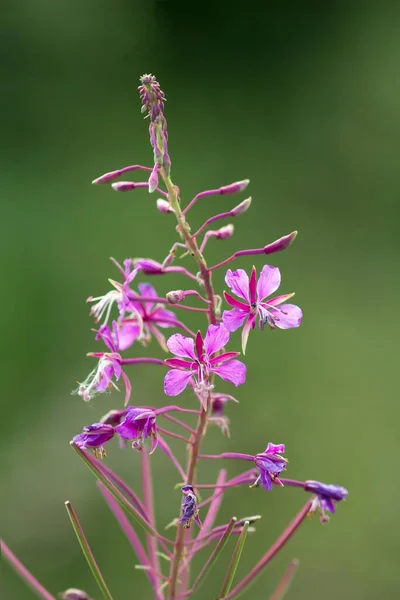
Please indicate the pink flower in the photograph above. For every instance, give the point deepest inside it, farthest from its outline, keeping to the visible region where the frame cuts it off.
(203, 362)
(253, 292)
(147, 317)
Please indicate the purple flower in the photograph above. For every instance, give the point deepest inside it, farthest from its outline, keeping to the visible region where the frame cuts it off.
(101, 378)
(253, 292)
(203, 361)
(94, 436)
(270, 465)
(147, 317)
(326, 496)
(189, 512)
(139, 424)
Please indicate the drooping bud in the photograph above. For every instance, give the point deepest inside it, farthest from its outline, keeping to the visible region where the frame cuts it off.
(164, 206)
(326, 496)
(234, 188)
(94, 436)
(74, 594)
(225, 232)
(175, 296)
(153, 179)
(241, 208)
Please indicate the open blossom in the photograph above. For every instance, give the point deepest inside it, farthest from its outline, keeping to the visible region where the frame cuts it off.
(137, 425)
(147, 317)
(270, 465)
(120, 295)
(202, 360)
(326, 496)
(252, 304)
(94, 436)
(189, 507)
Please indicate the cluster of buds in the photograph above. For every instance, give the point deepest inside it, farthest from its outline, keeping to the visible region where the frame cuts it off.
(129, 316)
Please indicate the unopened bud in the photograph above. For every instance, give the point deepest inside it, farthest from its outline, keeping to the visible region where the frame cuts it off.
(124, 186)
(74, 594)
(148, 266)
(175, 296)
(107, 177)
(281, 244)
(225, 232)
(153, 179)
(241, 208)
(234, 188)
(164, 206)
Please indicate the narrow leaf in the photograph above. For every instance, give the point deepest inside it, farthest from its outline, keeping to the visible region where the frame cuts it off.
(114, 491)
(87, 551)
(215, 554)
(233, 565)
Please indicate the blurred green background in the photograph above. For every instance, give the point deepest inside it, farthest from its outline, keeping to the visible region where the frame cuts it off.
(302, 98)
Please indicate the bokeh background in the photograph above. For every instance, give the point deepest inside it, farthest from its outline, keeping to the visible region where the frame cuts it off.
(302, 98)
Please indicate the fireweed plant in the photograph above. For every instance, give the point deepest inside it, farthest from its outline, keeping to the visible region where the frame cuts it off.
(131, 315)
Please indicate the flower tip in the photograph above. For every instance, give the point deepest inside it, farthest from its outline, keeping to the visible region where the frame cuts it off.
(242, 207)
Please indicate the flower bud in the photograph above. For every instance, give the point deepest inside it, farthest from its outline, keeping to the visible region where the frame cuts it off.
(241, 208)
(124, 186)
(107, 177)
(148, 266)
(176, 296)
(74, 594)
(164, 206)
(153, 179)
(225, 232)
(281, 244)
(234, 188)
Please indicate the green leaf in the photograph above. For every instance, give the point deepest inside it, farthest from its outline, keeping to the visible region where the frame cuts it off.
(87, 551)
(237, 553)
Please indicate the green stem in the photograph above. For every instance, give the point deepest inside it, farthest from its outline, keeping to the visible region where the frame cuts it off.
(87, 551)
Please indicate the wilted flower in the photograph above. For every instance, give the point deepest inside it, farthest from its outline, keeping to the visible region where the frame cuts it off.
(139, 424)
(120, 295)
(100, 379)
(270, 465)
(203, 361)
(95, 436)
(189, 507)
(253, 292)
(326, 496)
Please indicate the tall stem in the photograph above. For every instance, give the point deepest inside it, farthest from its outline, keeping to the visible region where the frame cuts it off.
(191, 244)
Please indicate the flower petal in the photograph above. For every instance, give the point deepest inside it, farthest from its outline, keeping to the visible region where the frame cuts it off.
(127, 334)
(238, 282)
(175, 381)
(222, 358)
(233, 319)
(233, 371)
(181, 346)
(250, 324)
(266, 480)
(217, 337)
(147, 291)
(236, 303)
(288, 316)
(268, 282)
(161, 314)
